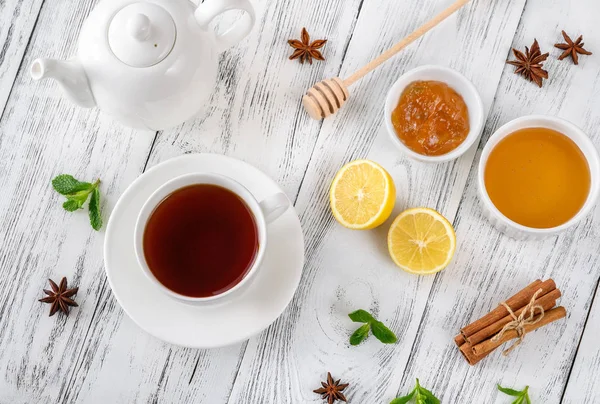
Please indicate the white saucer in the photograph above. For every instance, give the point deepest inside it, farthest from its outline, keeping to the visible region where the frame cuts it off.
(222, 323)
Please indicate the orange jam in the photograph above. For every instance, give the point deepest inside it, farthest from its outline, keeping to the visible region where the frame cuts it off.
(431, 118)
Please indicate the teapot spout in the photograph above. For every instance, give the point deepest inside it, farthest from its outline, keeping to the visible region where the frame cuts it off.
(71, 77)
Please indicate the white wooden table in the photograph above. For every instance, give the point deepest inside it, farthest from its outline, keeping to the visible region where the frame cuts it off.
(97, 354)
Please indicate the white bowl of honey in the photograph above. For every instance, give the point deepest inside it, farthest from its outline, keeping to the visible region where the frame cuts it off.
(433, 114)
(538, 176)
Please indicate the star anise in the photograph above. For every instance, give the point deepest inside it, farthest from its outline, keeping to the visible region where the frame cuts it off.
(59, 297)
(530, 64)
(331, 391)
(306, 50)
(572, 48)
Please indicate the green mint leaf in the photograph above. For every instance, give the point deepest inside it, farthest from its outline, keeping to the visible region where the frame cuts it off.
(404, 399)
(424, 396)
(382, 333)
(361, 316)
(429, 397)
(419, 398)
(420, 394)
(77, 192)
(71, 205)
(94, 208)
(526, 394)
(510, 392)
(80, 196)
(76, 200)
(66, 184)
(360, 334)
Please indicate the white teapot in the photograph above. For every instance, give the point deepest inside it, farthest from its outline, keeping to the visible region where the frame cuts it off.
(150, 63)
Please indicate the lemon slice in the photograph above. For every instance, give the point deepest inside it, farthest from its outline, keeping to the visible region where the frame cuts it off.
(362, 195)
(421, 241)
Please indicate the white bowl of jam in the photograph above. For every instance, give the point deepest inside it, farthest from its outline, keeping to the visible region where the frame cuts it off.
(433, 114)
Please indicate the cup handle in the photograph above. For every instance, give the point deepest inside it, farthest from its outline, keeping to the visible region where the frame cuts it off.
(274, 206)
(208, 10)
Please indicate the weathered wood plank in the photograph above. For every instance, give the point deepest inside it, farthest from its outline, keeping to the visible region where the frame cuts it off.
(347, 270)
(490, 267)
(583, 385)
(98, 354)
(43, 135)
(17, 19)
(253, 114)
(70, 366)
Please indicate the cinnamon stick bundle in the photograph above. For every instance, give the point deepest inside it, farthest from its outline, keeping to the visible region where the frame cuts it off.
(475, 353)
(487, 346)
(516, 302)
(547, 302)
(476, 340)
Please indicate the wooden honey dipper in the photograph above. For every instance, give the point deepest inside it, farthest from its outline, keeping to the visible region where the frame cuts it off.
(326, 97)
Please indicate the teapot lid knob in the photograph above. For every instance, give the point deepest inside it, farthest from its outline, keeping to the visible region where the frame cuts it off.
(141, 34)
(139, 26)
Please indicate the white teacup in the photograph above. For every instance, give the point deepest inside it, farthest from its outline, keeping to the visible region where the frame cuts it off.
(264, 212)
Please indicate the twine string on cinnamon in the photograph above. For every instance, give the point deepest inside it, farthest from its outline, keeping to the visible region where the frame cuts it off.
(518, 324)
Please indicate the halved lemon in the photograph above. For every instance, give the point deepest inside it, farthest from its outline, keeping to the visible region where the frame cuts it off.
(421, 241)
(362, 195)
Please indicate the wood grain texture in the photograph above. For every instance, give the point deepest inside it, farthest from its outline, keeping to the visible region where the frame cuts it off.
(101, 355)
(490, 267)
(42, 135)
(252, 80)
(583, 381)
(17, 19)
(254, 113)
(98, 354)
(114, 349)
(345, 269)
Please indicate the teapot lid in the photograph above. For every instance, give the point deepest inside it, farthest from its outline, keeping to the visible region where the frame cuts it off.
(141, 34)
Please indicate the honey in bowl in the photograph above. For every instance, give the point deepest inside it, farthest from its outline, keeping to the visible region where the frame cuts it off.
(537, 177)
(431, 118)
